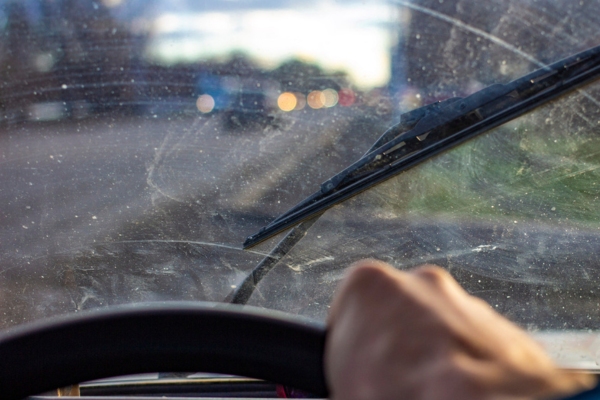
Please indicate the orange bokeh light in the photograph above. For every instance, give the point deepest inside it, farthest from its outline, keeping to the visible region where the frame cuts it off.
(316, 99)
(287, 101)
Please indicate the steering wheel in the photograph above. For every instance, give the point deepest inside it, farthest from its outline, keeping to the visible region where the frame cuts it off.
(171, 337)
(175, 337)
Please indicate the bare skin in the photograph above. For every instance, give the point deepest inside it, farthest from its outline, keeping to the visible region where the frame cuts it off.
(418, 335)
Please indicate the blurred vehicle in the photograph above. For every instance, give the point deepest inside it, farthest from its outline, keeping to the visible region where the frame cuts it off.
(245, 101)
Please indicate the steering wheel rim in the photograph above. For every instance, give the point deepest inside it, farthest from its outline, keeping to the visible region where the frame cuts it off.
(167, 337)
(176, 337)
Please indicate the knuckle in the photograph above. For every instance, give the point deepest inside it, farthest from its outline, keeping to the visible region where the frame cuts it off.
(370, 271)
(374, 275)
(433, 274)
(365, 272)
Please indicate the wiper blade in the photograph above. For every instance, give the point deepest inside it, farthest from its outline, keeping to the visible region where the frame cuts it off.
(437, 127)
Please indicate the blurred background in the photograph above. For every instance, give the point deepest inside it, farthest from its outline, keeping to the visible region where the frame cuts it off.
(71, 59)
(141, 141)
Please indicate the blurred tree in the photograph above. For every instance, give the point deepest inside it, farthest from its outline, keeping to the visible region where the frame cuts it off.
(18, 45)
(99, 54)
(300, 76)
(75, 52)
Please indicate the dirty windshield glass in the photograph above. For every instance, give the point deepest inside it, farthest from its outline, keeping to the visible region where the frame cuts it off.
(141, 142)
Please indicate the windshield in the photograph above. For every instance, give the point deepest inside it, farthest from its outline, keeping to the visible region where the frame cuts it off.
(141, 142)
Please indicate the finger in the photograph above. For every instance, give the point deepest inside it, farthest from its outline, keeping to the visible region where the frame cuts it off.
(540, 381)
(368, 275)
(566, 383)
(482, 331)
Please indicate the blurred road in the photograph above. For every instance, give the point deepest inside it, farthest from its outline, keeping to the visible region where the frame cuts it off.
(164, 200)
(116, 209)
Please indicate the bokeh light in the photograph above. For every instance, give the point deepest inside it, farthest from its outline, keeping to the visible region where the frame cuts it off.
(316, 99)
(287, 101)
(331, 97)
(301, 101)
(347, 97)
(205, 103)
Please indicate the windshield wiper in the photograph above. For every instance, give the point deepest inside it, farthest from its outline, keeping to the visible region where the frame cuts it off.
(437, 127)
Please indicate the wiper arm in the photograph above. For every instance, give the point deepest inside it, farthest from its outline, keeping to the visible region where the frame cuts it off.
(437, 127)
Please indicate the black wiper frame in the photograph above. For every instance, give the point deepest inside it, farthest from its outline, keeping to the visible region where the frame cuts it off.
(437, 127)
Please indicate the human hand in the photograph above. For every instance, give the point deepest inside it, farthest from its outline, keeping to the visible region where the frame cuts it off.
(418, 335)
